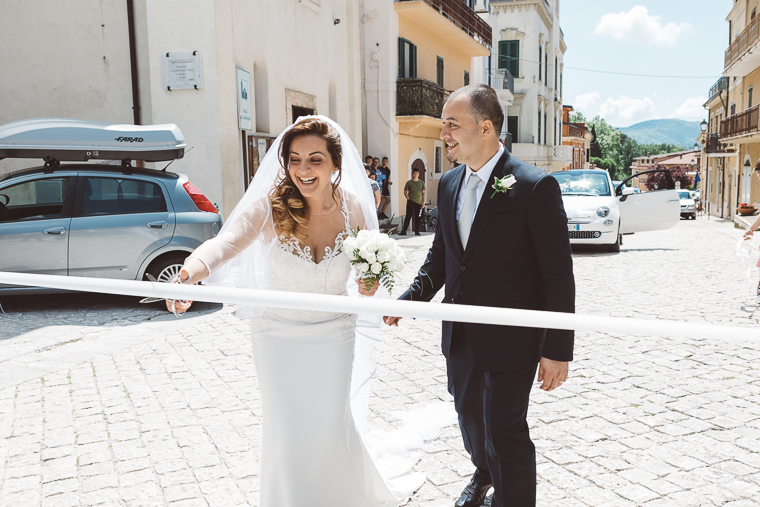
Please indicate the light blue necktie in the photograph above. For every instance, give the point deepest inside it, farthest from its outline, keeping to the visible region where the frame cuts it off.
(467, 213)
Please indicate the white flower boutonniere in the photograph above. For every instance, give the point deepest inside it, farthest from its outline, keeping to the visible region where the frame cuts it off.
(503, 185)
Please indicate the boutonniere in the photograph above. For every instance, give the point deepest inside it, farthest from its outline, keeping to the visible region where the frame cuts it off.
(503, 185)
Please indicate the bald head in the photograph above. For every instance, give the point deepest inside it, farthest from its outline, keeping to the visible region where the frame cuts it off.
(484, 104)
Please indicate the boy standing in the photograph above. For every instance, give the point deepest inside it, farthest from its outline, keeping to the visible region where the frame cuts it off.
(414, 191)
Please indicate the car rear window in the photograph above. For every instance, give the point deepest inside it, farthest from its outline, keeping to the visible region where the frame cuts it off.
(113, 196)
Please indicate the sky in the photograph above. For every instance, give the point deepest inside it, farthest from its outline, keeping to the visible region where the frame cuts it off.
(661, 38)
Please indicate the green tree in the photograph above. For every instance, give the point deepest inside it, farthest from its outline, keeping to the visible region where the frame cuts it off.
(577, 117)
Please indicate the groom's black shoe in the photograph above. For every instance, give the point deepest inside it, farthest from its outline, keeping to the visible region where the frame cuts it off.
(473, 495)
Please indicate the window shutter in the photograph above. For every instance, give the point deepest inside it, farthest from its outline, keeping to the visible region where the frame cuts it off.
(413, 65)
(401, 65)
(540, 62)
(539, 126)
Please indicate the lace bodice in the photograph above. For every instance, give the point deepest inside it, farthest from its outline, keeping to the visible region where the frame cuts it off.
(293, 269)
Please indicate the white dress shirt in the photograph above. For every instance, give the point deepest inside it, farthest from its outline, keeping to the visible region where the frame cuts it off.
(484, 174)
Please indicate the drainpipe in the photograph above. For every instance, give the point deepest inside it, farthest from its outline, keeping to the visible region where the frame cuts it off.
(133, 62)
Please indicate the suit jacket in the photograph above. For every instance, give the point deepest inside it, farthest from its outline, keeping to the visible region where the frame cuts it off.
(518, 256)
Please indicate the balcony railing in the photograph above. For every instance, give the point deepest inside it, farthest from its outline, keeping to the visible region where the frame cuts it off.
(462, 16)
(719, 86)
(502, 79)
(743, 41)
(570, 130)
(739, 124)
(419, 97)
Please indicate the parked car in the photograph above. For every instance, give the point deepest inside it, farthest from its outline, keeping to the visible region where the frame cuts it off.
(600, 214)
(97, 220)
(688, 204)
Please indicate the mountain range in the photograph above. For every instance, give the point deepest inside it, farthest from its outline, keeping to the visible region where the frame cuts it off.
(680, 132)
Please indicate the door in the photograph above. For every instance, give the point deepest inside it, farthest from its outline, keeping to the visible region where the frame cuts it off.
(118, 221)
(649, 211)
(35, 216)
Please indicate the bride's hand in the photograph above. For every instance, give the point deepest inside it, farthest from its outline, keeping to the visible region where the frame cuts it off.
(180, 307)
(363, 288)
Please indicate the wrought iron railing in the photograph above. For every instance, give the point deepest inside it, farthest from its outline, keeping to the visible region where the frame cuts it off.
(719, 86)
(712, 143)
(742, 42)
(502, 79)
(419, 97)
(739, 124)
(462, 16)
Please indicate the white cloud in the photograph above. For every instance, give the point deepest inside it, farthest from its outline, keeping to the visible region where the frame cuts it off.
(586, 104)
(638, 25)
(691, 109)
(626, 111)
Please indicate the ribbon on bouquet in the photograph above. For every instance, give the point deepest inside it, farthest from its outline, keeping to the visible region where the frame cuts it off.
(415, 309)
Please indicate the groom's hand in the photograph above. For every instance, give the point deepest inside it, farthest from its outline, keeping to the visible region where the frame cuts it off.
(391, 321)
(552, 374)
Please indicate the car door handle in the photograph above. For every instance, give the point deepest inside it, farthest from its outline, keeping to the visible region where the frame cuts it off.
(157, 225)
(59, 231)
(673, 200)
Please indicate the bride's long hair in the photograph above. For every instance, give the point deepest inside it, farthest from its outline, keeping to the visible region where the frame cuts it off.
(289, 208)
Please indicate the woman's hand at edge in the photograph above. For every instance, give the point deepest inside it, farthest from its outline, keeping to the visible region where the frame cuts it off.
(749, 234)
(196, 271)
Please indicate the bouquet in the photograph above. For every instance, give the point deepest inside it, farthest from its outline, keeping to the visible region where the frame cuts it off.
(377, 256)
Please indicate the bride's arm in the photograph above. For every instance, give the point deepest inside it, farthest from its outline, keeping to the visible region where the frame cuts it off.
(220, 249)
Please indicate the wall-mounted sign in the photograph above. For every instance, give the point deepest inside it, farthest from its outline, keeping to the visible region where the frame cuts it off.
(244, 99)
(182, 71)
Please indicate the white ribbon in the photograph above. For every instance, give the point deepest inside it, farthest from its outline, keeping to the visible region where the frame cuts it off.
(345, 304)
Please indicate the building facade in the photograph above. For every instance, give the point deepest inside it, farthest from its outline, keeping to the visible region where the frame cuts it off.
(718, 187)
(690, 160)
(414, 53)
(529, 46)
(578, 137)
(74, 59)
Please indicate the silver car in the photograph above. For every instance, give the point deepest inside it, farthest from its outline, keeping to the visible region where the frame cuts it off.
(100, 220)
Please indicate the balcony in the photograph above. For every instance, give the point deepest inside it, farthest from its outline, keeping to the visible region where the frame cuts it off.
(502, 79)
(570, 130)
(719, 86)
(740, 124)
(713, 144)
(419, 97)
(452, 20)
(738, 60)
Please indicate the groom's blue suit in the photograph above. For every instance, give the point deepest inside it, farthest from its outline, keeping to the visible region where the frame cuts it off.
(518, 256)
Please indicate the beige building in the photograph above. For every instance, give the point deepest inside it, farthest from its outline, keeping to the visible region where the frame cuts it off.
(578, 137)
(74, 59)
(718, 186)
(414, 53)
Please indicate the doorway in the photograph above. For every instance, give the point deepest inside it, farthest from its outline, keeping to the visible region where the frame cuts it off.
(420, 165)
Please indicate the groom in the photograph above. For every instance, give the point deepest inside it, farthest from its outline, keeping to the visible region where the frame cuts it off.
(507, 249)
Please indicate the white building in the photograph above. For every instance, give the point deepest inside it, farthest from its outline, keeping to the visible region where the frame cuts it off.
(74, 59)
(528, 45)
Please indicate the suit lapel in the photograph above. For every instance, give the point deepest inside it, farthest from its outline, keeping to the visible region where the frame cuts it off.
(487, 204)
(456, 187)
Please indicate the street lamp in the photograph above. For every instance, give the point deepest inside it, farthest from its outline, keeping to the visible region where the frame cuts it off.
(696, 146)
(703, 125)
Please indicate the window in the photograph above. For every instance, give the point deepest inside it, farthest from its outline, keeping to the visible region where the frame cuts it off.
(439, 71)
(438, 167)
(34, 200)
(750, 97)
(539, 126)
(546, 68)
(113, 196)
(540, 65)
(513, 126)
(555, 74)
(555, 132)
(546, 141)
(466, 78)
(733, 109)
(754, 9)
(509, 56)
(407, 58)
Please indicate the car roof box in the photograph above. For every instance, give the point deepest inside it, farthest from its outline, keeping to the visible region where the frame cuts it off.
(65, 139)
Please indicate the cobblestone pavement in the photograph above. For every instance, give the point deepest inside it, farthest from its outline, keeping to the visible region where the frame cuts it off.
(107, 402)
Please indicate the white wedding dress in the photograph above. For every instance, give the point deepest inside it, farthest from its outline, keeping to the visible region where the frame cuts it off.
(312, 453)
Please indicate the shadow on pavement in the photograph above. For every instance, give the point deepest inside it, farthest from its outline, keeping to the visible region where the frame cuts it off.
(25, 313)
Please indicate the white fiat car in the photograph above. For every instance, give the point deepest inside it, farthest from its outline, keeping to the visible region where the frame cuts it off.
(599, 213)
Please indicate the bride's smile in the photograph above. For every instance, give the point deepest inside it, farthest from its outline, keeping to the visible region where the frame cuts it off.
(311, 168)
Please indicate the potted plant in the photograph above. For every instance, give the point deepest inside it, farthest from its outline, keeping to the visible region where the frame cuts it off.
(746, 209)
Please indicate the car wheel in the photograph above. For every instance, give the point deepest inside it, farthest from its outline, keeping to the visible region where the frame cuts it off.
(166, 268)
(615, 247)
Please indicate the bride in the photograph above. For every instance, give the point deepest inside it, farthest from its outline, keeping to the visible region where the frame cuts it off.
(287, 234)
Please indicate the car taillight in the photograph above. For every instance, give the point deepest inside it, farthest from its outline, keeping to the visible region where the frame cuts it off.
(200, 200)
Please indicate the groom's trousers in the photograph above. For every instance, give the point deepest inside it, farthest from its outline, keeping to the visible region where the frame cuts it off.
(492, 409)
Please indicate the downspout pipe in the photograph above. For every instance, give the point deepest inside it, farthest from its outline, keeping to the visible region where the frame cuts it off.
(133, 62)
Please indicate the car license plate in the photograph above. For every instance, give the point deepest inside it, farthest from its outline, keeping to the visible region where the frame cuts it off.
(573, 227)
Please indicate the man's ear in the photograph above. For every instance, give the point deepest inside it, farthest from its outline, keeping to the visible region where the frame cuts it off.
(486, 127)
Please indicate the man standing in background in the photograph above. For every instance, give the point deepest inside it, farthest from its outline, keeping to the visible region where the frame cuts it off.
(386, 188)
(414, 191)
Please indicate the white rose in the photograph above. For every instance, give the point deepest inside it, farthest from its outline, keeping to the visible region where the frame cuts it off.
(363, 267)
(377, 268)
(350, 244)
(371, 257)
(395, 265)
(383, 256)
(364, 251)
